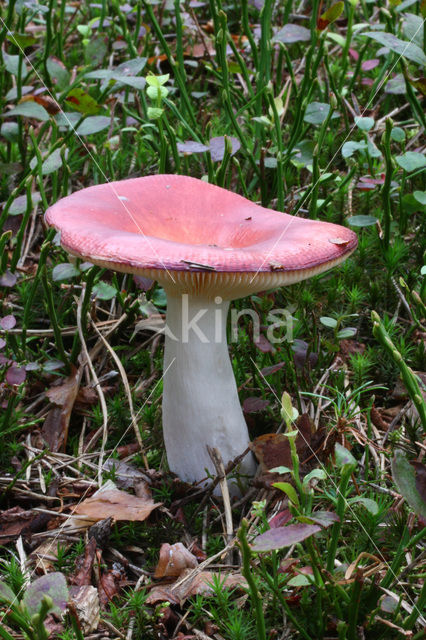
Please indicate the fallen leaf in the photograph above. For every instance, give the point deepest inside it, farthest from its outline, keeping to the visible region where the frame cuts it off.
(174, 559)
(109, 586)
(199, 584)
(14, 522)
(55, 426)
(116, 504)
(273, 449)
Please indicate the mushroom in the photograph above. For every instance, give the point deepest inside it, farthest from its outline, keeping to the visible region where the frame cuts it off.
(206, 246)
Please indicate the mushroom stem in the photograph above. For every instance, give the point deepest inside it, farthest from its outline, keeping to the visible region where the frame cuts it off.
(200, 398)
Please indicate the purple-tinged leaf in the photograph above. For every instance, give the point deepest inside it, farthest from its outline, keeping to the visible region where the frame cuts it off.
(396, 85)
(64, 271)
(217, 147)
(7, 322)
(32, 366)
(323, 518)
(144, 284)
(292, 33)
(52, 365)
(268, 371)
(388, 604)
(2, 343)
(403, 48)
(4, 361)
(253, 405)
(368, 65)
(264, 345)
(8, 279)
(15, 375)
(284, 536)
(191, 146)
(53, 585)
(280, 519)
(354, 53)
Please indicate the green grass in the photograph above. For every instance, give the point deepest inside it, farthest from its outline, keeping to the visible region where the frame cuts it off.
(287, 108)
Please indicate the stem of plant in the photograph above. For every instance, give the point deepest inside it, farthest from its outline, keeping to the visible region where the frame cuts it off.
(248, 574)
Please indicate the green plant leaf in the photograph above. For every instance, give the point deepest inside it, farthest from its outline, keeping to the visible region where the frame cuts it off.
(404, 476)
(289, 490)
(347, 332)
(6, 593)
(291, 33)
(331, 15)
(104, 291)
(365, 124)
(154, 113)
(362, 221)
(398, 134)
(403, 48)
(370, 505)
(64, 271)
(282, 470)
(28, 110)
(316, 112)
(286, 409)
(420, 196)
(301, 581)
(412, 28)
(315, 474)
(12, 64)
(93, 124)
(411, 160)
(331, 323)
(21, 40)
(344, 458)
(349, 148)
(323, 518)
(51, 164)
(82, 102)
(58, 72)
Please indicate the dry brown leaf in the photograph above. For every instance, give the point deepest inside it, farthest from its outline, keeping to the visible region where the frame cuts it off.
(84, 565)
(15, 522)
(115, 504)
(55, 427)
(45, 555)
(200, 584)
(273, 449)
(109, 586)
(174, 558)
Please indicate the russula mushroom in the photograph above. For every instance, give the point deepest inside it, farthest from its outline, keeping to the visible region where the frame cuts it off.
(206, 246)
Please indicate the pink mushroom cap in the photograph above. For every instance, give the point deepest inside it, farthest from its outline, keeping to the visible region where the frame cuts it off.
(195, 237)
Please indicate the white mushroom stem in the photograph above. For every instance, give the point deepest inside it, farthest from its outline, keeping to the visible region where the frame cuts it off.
(200, 398)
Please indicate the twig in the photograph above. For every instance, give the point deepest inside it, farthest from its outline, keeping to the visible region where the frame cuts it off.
(128, 393)
(216, 458)
(98, 388)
